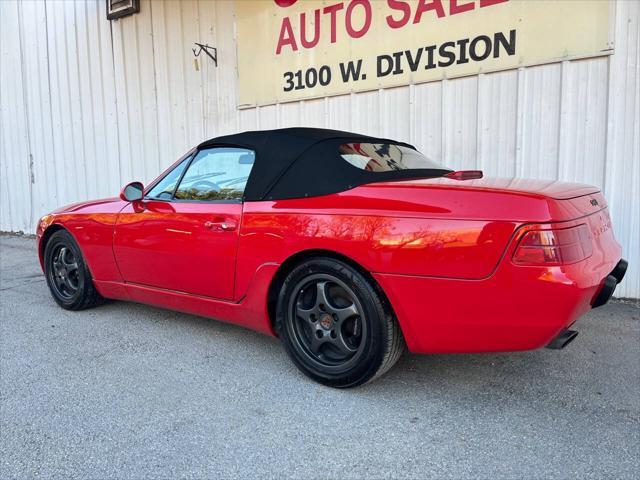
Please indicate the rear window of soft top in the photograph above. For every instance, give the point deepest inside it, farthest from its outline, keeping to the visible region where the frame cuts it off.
(385, 157)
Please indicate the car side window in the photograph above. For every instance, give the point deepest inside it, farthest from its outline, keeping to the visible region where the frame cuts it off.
(216, 174)
(163, 190)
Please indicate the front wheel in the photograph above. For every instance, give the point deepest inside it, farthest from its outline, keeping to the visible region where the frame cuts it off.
(67, 274)
(335, 325)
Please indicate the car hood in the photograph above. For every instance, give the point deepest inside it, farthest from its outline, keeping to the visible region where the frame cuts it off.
(113, 204)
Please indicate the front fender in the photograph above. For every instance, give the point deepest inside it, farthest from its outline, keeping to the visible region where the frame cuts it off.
(92, 226)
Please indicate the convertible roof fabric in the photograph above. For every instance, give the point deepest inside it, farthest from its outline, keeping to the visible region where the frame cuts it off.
(306, 162)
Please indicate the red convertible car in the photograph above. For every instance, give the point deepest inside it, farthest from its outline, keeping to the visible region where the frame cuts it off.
(345, 246)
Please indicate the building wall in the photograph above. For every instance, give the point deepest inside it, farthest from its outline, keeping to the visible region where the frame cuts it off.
(88, 105)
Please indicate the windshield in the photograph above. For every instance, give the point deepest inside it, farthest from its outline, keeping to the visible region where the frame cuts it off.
(386, 157)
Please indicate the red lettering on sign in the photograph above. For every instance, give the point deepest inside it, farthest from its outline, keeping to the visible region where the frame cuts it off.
(353, 33)
(425, 6)
(400, 14)
(488, 3)
(286, 36)
(332, 10)
(402, 6)
(303, 30)
(455, 7)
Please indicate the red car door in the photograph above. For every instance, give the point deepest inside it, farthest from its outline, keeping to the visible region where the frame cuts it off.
(184, 235)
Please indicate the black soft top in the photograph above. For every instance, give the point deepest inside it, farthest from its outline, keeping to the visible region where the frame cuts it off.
(306, 162)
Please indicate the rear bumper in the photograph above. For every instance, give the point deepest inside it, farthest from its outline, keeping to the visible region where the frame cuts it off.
(517, 308)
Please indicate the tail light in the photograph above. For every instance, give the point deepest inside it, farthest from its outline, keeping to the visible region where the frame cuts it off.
(554, 246)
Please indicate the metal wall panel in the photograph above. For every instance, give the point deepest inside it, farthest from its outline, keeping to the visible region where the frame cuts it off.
(16, 168)
(88, 104)
(583, 121)
(497, 121)
(460, 122)
(622, 162)
(426, 126)
(539, 122)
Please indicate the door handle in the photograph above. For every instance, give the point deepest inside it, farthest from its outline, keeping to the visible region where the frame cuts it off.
(223, 225)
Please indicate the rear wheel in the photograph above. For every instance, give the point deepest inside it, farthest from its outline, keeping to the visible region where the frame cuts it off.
(335, 325)
(67, 274)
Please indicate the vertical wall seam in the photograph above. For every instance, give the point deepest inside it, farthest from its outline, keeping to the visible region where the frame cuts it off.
(203, 103)
(127, 100)
(102, 72)
(609, 124)
(53, 137)
(477, 159)
(141, 140)
(69, 97)
(412, 113)
(96, 180)
(83, 146)
(155, 86)
(170, 97)
(559, 142)
(520, 121)
(326, 112)
(185, 90)
(117, 119)
(25, 107)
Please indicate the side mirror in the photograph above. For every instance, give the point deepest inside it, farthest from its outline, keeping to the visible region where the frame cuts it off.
(132, 192)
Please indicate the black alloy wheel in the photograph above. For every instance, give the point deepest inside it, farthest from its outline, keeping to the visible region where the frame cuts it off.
(335, 325)
(328, 321)
(67, 274)
(65, 271)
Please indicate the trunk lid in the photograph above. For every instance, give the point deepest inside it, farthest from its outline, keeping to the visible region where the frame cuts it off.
(498, 199)
(544, 188)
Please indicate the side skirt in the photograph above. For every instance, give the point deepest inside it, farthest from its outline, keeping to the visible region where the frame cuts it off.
(250, 312)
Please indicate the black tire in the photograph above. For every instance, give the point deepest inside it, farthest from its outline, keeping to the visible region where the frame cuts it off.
(335, 325)
(67, 274)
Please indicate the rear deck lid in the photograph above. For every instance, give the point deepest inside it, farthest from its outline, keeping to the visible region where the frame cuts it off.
(544, 188)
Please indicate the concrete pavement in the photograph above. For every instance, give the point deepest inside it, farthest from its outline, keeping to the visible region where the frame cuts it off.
(129, 391)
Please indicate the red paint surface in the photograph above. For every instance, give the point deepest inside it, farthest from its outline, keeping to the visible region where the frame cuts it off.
(179, 246)
(440, 249)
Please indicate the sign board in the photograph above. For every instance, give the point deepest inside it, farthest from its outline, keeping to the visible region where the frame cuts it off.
(296, 49)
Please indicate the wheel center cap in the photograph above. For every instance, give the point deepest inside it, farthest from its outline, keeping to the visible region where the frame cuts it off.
(326, 321)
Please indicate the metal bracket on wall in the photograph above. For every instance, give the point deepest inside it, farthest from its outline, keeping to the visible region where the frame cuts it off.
(211, 52)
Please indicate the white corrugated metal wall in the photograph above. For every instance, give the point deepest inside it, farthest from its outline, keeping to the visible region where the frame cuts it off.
(88, 104)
